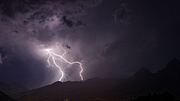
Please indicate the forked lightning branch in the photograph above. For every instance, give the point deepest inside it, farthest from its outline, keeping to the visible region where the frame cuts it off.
(54, 58)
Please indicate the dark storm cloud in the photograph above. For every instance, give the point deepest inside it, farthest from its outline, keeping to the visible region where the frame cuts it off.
(37, 15)
(149, 38)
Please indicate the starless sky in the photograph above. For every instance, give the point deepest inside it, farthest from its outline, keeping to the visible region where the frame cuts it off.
(112, 38)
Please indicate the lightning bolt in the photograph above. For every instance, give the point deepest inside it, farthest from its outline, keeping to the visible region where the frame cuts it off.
(54, 56)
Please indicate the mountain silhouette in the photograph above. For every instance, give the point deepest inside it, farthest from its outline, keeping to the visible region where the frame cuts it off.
(142, 73)
(4, 97)
(142, 82)
(172, 69)
(169, 77)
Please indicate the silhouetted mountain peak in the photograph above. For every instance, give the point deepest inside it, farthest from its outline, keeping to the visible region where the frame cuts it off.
(170, 74)
(57, 83)
(143, 72)
(173, 67)
(174, 63)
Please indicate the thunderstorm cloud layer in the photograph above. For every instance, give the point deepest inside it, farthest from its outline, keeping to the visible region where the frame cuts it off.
(112, 38)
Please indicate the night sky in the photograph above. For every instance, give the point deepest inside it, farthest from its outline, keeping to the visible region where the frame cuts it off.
(111, 38)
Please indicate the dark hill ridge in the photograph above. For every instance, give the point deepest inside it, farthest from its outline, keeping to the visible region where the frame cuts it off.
(4, 97)
(142, 73)
(169, 77)
(89, 88)
(142, 82)
(172, 69)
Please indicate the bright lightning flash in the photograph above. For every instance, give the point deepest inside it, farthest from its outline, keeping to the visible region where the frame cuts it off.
(52, 60)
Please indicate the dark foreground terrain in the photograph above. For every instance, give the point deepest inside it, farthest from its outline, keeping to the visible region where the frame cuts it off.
(142, 86)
